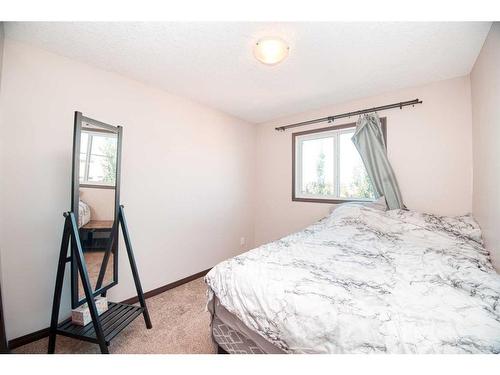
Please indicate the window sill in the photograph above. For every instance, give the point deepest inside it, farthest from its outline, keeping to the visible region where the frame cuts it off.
(331, 201)
(97, 186)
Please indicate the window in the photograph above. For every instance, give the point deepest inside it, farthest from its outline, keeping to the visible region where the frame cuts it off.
(328, 168)
(98, 158)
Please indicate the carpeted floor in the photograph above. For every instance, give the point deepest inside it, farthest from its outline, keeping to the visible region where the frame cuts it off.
(180, 325)
(93, 260)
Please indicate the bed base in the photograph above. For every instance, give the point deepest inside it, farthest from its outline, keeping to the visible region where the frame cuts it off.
(221, 350)
(230, 341)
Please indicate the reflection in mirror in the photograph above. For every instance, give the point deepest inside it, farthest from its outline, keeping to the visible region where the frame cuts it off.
(97, 206)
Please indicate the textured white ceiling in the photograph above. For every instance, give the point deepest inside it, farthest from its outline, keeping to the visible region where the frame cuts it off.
(213, 63)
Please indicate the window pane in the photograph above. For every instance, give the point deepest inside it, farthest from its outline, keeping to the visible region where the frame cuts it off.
(84, 141)
(353, 179)
(82, 168)
(102, 165)
(102, 170)
(103, 145)
(317, 166)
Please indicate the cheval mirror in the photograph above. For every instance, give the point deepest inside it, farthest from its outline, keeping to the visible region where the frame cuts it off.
(96, 201)
(91, 233)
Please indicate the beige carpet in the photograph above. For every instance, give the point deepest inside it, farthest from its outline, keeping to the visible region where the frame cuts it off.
(93, 260)
(180, 325)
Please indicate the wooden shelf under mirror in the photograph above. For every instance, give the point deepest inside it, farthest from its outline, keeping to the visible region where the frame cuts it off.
(98, 225)
(113, 321)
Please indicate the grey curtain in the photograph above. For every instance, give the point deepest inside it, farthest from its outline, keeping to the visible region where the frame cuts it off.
(369, 140)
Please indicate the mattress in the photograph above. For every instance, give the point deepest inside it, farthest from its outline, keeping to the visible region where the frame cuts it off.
(366, 281)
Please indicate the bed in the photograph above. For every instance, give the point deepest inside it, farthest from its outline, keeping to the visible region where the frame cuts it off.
(83, 213)
(361, 280)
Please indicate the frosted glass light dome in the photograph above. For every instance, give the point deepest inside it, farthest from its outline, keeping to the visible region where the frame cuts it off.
(271, 51)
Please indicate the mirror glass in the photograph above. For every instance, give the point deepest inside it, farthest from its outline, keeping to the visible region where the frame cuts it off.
(97, 206)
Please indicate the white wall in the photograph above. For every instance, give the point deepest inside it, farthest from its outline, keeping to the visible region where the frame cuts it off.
(429, 146)
(485, 83)
(187, 178)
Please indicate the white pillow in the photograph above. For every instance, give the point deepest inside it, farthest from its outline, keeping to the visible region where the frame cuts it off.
(379, 204)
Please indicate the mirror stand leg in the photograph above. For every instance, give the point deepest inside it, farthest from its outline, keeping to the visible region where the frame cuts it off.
(59, 284)
(82, 268)
(133, 266)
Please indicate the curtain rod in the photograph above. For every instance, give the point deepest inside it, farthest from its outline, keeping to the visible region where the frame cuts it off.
(399, 105)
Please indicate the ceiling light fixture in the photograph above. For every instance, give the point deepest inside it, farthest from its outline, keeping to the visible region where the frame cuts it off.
(271, 51)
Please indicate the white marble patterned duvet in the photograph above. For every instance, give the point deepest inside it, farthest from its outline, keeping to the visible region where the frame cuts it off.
(83, 213)
(368, 281)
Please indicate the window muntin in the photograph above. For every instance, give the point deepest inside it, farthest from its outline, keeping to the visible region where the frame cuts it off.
(329, 168)
(98, 158)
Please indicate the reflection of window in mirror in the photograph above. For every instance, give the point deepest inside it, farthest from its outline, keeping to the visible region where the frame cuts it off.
(98, 158)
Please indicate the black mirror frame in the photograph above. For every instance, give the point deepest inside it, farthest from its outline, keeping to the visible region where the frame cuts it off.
(75, 197)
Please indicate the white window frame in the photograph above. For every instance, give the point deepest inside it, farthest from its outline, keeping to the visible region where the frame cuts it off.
(332, 131)
(91, 135)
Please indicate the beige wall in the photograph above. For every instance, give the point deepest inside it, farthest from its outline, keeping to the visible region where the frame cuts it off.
(485, 83)
(187, 178)
(2, 37)
(100, 201)
(1, 60)
(429, 146)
